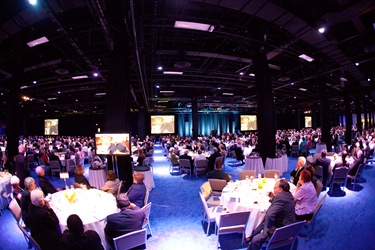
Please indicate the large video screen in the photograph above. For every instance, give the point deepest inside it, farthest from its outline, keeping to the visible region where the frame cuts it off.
(308, 120)
(51, 127)
(112, 144)
(162, 124)
(249, 122)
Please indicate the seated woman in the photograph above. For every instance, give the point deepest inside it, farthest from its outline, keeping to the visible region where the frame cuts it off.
(137, 191)
(80, 178)
(17, 190)
(174, 157)
(305, 197)
(141, 157)
(112, 184)
(76, 238)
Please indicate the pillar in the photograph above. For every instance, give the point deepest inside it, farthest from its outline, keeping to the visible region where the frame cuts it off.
(194, 116)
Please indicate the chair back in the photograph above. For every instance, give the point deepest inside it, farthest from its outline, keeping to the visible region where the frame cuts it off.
(131, 240)
(146, 222)
(219, 159)
(70, 164)
(270, 173)
(8, 192)
(42, 163)
(319, 187)
(319, 172)
(217, 184)
(340, 175)
(29, 239)
(285, 236)
(201, 164)
(206, 189)
(204, 203)
(247, 173)
(233, 222)
(184, 163)
(146, 197)
(15, 209)
(317, 208)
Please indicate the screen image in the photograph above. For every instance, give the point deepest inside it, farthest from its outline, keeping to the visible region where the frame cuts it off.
(249, 122)
(308, 121)
(51, 127)
(162, 124)
(112, 144)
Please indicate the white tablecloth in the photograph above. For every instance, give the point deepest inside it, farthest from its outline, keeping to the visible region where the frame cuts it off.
(320, 147)
(280, 163)
(254, 163)
(149, 179)
(92, 206)
(4, 179)
(97, 177)
(245, 196)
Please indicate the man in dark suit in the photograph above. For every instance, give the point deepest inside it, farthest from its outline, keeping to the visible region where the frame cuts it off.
(279, 214)
(43, 222)
(20, 166)
(188, 157)
(44, 184)
(129, 219)
(325, 163)
(218, 173)
(212, 159)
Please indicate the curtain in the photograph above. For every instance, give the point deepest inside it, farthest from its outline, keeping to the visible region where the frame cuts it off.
(222, 123)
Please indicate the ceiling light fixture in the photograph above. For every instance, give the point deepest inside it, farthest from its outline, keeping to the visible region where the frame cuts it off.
(160, 68)
(38, 41)
(343, 79)
(302, 89)
(306, 57)
(321, 30)
(356, 64)
(51, 98)
(96, 74)
(252, 74)
(194, 26)
(24, 87)
(33, 2)
(34, 82)
(241, 73)
(100, 94)
(167, 91)
(172, 72)
(368, 79)
(225, 93)
(79, 77)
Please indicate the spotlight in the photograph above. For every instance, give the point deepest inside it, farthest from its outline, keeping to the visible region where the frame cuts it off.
(160, 68)
(33, 2)
(356, 64)
(321, 30)
(96, 74)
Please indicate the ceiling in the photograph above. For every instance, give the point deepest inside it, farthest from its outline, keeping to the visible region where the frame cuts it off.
(82, 33)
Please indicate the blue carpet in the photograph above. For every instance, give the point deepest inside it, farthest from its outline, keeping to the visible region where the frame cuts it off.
(346, 221)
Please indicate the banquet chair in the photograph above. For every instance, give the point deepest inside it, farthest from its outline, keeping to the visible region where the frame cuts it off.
(217, 186)
(70, 164)
(285, 236)
(55, 167)
(247, 173)
(211, 200)
(294, 152)
(200, 166)
(316, 211)
(319, 187)
(231, 223)
(30, 240)
(357, 176)
(319, 172)
(270, 173)
(184, 166)
(340, 176)
(172, 168)
(16, 211)
(147, 194)
(131, 240)
(8, 195)
(30, 161)
(146, 223)
(121, 188)
(148, 163)
(209, 214)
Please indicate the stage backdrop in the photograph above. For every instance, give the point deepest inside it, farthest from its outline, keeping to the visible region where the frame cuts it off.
(222, 123)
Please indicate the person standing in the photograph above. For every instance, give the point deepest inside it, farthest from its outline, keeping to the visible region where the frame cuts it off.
(20, 165)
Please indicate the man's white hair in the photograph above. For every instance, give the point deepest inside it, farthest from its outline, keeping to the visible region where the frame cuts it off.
(38, 170)
(36, 197)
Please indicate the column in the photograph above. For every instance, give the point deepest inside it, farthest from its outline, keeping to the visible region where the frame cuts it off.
(358, 111)
(348, 118)
(266, 110)
(324, 115)
(194, 116)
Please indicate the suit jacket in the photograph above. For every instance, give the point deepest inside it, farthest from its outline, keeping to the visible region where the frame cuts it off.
(296, 174)
(21, 168)
(137, 193)
(24, 204)
(218, 174)
(126, 221)
(81, 179)
(212, 159)
(325, 163)
(46, 186)
(188, 157)
(89, 240)
(43, 224)
(281, 212)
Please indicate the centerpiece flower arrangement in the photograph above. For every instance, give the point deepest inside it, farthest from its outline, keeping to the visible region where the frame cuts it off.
(71, 196)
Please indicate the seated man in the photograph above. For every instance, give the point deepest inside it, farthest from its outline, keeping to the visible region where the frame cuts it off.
(129, 219)
(279, 214)
(187, 157)
(137, 191)
(212, 159)
(43, 222)
(199, 157)
(44, 184)
(25, 197)
(218, 173)
(76, 238)
(325, 163)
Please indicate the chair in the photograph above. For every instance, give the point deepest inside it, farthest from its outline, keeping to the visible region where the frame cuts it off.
(55, 167)
(131, 240)
(357, 175)
(319, 172)
(172, 168)
(340, 176)
(317, 156)
(200, 166)
(146, 223)
(232, 223)
(211, 200)
(30, 161)
(146, 196)
(16, 211)
(30, 240)
(8, 192)
(121, 186)
(208, 214)
(285, 236)
(319, 187)
(294, 152)
(217, 185)
(70, 164)
(184, 166)
(148, 162)
(247, 173)
(317, 209)
(270, 173)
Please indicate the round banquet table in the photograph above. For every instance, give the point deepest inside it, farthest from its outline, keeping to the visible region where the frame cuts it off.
(149, 178)
(244, 195)
(4, 179)
(92, 206)
(254, 163)
(97, 177)
(280, 163)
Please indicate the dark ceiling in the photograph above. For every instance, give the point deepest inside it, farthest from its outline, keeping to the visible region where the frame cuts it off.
(82, 33)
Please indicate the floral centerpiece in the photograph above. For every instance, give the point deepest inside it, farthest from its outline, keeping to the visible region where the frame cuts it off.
(70, 195)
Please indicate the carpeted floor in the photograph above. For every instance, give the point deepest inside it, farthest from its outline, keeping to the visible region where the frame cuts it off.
(344, 222)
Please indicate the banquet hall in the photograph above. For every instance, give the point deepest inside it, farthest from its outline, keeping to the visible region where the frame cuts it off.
(245, 72)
